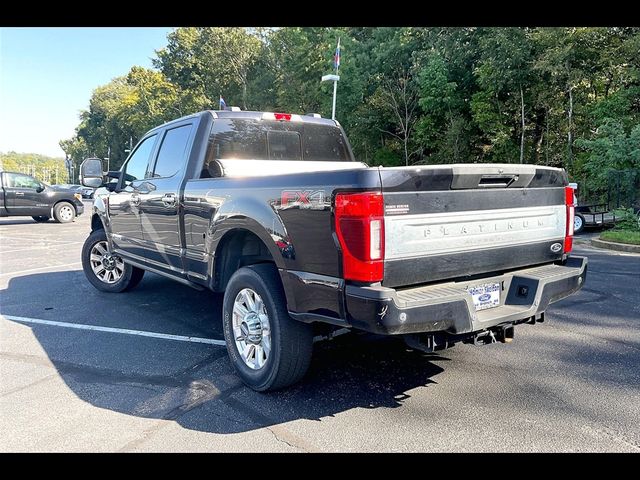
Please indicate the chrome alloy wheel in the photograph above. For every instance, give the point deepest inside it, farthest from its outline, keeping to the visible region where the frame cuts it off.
(66, 213)
(251, 329)
(107, 267)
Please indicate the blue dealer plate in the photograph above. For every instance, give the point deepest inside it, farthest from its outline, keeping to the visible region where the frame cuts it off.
(486, 295)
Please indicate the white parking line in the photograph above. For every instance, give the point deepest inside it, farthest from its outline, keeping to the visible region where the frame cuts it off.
(37, 247)
(125, 331)
(74, 264)
(31, 238)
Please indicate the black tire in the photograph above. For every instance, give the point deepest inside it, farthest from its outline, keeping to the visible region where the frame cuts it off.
(64, 212)
(580, 227)
(40, 218)
(131, 276)
(291, 341)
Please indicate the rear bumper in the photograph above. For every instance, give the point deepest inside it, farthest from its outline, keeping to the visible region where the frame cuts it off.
(449, 308)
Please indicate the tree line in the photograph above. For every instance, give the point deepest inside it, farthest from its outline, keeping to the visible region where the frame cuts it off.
(566, 97)
(47, 169)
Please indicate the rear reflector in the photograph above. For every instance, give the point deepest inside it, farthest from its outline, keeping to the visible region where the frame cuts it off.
(359, 226)
(568, 239)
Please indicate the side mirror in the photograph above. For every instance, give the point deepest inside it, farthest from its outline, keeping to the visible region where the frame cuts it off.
(91, 174)
(40, 188)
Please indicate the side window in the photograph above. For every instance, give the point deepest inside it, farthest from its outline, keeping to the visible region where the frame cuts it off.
(173, 152)
(10, 180)
(16, 180)
(136, 166)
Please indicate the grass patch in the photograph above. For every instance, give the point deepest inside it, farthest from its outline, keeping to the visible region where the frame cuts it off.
(621, 236)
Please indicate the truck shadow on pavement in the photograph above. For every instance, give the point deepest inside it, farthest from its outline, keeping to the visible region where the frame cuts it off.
(194, 384)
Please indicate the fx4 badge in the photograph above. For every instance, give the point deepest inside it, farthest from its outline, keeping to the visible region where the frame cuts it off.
(312, 199)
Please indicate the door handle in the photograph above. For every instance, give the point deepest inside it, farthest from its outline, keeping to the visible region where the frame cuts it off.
(169, 200)
(19, 194)
(135, 199)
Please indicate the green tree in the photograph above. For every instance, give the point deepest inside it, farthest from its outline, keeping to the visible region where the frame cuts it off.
(503, 73)
(44, 168)
(211, 61)
(611, 148)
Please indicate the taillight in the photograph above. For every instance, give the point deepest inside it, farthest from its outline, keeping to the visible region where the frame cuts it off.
(568, 239)
(283, 116)
(360, 228)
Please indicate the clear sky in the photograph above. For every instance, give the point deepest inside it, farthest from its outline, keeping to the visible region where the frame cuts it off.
(47, 76)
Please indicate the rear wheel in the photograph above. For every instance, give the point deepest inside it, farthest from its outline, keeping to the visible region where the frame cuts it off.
(64, 212)
(268, 349)
(106, 271)
(578, 223)
(40, 218)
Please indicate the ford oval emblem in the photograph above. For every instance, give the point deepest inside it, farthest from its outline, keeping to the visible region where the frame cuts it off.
(556, 247)
(484, 297)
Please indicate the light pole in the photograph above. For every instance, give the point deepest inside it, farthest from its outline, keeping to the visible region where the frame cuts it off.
(108, 157)
(334, 78)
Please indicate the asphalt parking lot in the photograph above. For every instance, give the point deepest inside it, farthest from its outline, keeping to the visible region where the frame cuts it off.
(570, 384)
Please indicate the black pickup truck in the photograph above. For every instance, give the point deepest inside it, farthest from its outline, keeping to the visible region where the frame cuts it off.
(23, 195)
(272, 209)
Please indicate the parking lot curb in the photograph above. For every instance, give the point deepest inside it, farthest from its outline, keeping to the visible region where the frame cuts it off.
(621, 247)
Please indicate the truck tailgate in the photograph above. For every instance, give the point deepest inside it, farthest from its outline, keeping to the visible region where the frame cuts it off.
(445, 222)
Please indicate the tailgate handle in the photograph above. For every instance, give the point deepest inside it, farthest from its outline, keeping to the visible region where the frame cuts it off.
(497, 181)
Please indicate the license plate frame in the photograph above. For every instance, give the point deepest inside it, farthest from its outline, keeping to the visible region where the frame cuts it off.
(485, 295)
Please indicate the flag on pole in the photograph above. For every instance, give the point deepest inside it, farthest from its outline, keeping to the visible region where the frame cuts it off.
(336, 56)
(223, 105)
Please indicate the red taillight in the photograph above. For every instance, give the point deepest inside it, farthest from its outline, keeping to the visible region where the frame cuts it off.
(360, 228)
(568, 239)
(283, 116)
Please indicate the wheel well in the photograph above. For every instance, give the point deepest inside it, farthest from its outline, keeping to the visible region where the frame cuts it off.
(96, 223)
(237, 249)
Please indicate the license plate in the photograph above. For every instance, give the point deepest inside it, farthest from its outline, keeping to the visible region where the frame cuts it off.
(486, 295)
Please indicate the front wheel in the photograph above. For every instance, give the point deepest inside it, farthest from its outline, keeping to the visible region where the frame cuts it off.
(105, 271)
(268, 349)
(578, 223)
(64, 212)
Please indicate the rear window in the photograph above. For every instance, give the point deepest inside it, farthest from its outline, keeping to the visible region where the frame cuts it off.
(284, 145)
(272, 140)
